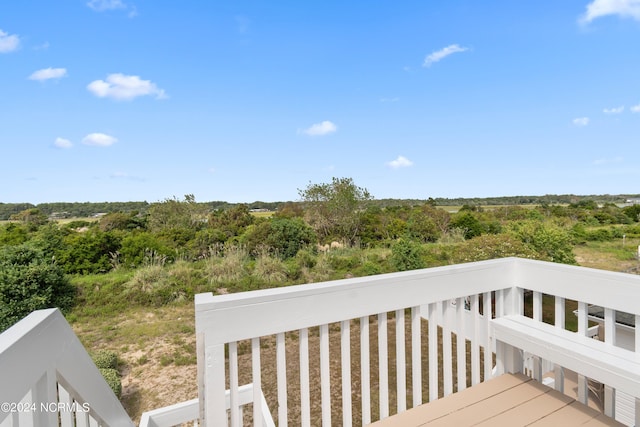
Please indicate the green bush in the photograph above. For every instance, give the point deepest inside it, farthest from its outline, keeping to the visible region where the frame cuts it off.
(29, 281)
(406, 255)
(112, 377)
(105, 359)
(490, 246)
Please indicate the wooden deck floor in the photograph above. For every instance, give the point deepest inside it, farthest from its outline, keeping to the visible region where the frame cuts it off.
(509, 400)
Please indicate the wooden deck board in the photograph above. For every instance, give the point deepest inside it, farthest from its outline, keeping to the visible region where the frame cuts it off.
(509, 400)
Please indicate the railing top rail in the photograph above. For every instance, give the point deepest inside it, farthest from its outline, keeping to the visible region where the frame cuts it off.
(618, 291)
(265, 312)
(44, 344)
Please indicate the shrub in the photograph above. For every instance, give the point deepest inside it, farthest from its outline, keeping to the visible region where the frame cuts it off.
(283, 236)
(549, 240)
(489, 247)
(28, 282)
(112, 377)
(406, 255)
(105, 359)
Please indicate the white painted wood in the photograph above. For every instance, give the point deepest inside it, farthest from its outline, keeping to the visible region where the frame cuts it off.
(40, 351)
(461, 348)
(305, 306)
(66, 416)
(401, 369)
(433, 311)
(325, 376)
(559, 320)
(305, 394)
(537, 306)
(637, 348)
(447, 350)
(488, 352)
(365, 372)
(475, 340)
(257, 379)
(179, 413)
(583, 386)
(281, 368)
(383, 366)
(234, 402)
(345, 353)
(609, 338)
(600, 361)
(416, 356)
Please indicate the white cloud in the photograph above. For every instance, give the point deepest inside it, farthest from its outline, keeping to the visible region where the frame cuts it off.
(439, 55)
(618, 159)
(62, 143)
(8, 42)
(616, 110)
(48, 73)
(400, 162)
(600, 8)
(318, 129)
(395, 99)
(102, 5)
(635, 109)
(122, 87)
(99, 140)
(581, 121)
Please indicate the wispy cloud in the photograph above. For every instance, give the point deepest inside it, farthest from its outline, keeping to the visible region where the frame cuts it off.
(105, 5)
(48, 73)
(618, 159)
(43, 46)
(102, 5)
(385, 100)
(616, 110)
(635, 109)
(121, 87)
(8, 42)
(400, 162)
(581, 121)
(324, 128)
(439, 55)
(599, 8)
(62, 143)
(99, 140)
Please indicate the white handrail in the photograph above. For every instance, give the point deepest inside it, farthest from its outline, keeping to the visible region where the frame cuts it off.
(225, 319)
(41, 355)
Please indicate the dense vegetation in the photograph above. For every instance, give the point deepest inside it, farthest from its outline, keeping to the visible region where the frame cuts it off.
(165, 252)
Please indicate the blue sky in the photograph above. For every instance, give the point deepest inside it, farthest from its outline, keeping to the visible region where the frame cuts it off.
(119, 100)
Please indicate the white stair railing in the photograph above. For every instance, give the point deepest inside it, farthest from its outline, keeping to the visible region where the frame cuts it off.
(48, 379)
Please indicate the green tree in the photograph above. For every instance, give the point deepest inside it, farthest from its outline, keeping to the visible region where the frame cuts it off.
(31, 217)
(30, 281)
(172, 214)
(335, 209)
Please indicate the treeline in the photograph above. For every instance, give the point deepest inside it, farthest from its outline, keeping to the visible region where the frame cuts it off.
(88, 209)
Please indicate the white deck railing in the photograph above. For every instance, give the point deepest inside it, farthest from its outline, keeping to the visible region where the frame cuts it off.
(396, 373)
(48, 379)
